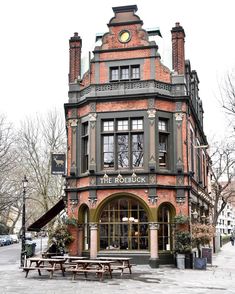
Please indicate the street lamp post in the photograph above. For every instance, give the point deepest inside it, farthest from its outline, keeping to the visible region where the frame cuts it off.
(24, 183)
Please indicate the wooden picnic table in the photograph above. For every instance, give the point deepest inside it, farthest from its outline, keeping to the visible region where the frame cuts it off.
(119, 263)
(49, 264)
(97, 266)
(70, 258)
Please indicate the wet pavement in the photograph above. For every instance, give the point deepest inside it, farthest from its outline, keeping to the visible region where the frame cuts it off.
(218, 278)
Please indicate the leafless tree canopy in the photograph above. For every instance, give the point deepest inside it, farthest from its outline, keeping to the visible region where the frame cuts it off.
(222, 176)
(7, 163)
(38, 138)
(227, 92)
(27, 151)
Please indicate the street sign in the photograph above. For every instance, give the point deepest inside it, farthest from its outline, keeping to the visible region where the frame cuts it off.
(58, 163)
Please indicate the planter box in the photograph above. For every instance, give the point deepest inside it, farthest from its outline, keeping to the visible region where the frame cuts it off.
(200, 263)
(189, 260)
(180, 261)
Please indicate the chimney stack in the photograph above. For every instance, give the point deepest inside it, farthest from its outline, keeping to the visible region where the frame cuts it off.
(75, 46)
(178, 58)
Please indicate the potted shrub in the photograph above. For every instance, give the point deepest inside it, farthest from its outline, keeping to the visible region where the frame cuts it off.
(61, 236)
(182, 247)
(180, 219)
(202, 235)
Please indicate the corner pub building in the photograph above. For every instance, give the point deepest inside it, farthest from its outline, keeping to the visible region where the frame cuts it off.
(135, 143)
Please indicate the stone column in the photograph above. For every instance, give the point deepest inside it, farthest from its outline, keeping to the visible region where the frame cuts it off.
(93, 240)
(73, 125)
(152, 135)
(179, 142)
(92, 138)
(80, 239)
(153, 229)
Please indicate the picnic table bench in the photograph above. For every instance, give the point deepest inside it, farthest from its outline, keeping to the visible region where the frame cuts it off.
(119, 263)
(49, 264)
(99, 267)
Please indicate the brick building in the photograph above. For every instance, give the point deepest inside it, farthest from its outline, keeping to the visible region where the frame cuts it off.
(135, 143)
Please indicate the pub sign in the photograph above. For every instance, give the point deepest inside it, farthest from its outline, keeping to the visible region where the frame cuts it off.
(58, 163)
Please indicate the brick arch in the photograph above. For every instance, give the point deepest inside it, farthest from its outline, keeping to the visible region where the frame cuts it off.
(81, 212)
(171, 207)
(120, 195)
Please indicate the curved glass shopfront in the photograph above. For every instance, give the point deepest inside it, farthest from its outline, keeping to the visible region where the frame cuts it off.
(123, 225)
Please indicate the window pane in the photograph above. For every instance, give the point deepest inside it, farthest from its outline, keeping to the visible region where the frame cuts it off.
(85, 154)
(122, 125)
(84, 129)
(114, 74)
(108, 154)
(135, 72)
(163, 143)
(123, 160)
(108, 125)
(162, 125)
(137, 150)
(137, 124)
(125, 73)
(162, 150)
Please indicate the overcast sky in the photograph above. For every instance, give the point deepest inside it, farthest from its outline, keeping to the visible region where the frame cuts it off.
(34, 51)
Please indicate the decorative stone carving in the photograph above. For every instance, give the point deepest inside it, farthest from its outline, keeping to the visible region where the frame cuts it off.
(92, 117)
(73, 122)
(151, 113)
(93, 107)
(74, 112)
(179, 116)
(93, 226)
(92, 181)
(152, 179)
(180, 180)
(153, 226)
(151, 103)
(178, 106)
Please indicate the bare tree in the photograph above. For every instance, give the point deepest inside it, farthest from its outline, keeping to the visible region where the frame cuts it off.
(7, 163)
(38, 138)
(222, 176)
(227, 93)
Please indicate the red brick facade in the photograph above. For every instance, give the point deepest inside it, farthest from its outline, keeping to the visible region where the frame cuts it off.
(163, 183)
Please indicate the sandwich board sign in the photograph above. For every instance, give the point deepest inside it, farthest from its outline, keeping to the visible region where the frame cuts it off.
(58, 161)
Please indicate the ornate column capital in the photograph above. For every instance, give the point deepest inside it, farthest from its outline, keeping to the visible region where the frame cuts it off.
(93, 226)
(153, 226)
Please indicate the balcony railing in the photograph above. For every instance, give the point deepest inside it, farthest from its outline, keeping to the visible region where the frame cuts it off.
(123, 88)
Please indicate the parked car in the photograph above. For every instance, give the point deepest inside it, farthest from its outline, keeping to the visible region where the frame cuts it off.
(2, 241)
(6, 240)
(14, 238)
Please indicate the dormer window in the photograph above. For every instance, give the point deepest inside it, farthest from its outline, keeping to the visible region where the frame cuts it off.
(124, 73)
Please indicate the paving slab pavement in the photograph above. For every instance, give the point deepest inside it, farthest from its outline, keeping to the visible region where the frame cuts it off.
(218, 278)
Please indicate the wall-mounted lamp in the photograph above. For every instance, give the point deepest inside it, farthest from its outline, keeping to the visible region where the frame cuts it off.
(203, 217)
(130, 219)
(195, 214)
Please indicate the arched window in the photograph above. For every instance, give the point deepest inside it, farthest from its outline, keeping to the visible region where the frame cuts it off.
(123, 225)
(165, 231)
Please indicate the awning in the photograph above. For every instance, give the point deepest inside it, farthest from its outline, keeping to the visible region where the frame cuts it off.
(48, 216)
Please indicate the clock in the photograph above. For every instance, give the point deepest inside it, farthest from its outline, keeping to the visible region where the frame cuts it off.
(124, 36)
